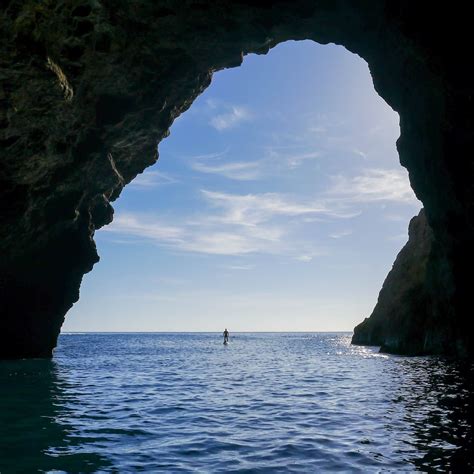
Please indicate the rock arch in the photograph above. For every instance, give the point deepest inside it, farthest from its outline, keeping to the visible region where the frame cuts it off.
(88, 89)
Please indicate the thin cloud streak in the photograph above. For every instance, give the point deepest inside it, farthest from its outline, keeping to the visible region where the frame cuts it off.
(253, 209)
(241, 171)
(239, 267)
(341, 234)
(152, 179)
(295, 161)
(274, 161)
(209, 156)
(140, 226)
(288, 159)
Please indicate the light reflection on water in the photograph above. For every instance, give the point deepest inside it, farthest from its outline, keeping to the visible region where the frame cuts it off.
(267, 402)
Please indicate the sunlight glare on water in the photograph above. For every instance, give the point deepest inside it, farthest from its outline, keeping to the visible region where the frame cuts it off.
(303, 402)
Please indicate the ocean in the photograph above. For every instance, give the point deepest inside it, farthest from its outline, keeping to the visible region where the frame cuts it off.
(267, 402)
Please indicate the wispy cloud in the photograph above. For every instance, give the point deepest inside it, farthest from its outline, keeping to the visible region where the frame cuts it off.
(209, 156)
(294, 161)
(238, 170)
(138, 225)
(288, 158)
(360, 153)
(152, 179)
(222, 243)
(340, 234)
(374, 185)
(275, 160)
(230, 117)
(239, 267)
(234, 225)
(266, 223)
(253, 209)
(192, 237)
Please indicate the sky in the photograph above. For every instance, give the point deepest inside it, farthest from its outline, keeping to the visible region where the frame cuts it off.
(278, 204)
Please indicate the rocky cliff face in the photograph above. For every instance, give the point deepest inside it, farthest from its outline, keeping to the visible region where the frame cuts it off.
(407, 318)
(89, 87)
(401, 321)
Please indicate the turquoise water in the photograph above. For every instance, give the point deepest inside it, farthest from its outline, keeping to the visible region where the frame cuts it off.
(266, 403)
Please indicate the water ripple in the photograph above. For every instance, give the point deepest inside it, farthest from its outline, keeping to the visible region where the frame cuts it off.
(265, 403)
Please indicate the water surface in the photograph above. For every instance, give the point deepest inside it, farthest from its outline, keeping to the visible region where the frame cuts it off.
(266, 403)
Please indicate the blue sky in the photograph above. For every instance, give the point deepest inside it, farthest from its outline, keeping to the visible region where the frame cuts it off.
(278, 204)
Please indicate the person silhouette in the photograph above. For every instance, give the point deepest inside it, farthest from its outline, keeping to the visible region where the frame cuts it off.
(226, 336)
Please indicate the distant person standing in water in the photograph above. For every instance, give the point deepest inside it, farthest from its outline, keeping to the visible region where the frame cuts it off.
(226, 336)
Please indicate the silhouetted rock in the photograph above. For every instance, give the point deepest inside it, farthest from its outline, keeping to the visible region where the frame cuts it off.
(401, 317)
(88, 89)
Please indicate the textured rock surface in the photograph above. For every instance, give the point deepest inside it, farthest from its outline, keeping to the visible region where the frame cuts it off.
(401, 318)
(89, 87)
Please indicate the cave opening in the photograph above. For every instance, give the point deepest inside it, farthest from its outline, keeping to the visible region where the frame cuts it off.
(278, 204)
(67, 162)
(66, 159)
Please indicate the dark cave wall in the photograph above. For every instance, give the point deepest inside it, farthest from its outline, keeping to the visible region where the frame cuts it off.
(88, 89)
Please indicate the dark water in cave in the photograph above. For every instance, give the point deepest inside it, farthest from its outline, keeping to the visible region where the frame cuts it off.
(265, 403)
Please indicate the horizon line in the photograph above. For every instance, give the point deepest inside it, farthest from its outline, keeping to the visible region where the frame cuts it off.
(197, 332)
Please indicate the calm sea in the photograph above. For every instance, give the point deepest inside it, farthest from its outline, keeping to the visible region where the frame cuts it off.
(266, 403)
